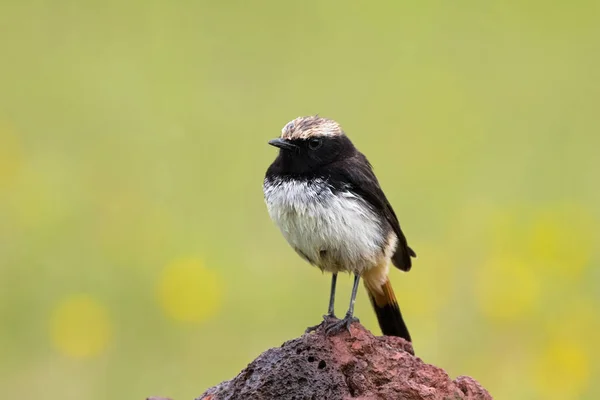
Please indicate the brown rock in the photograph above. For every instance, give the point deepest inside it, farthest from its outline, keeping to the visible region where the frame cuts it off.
(355, 365)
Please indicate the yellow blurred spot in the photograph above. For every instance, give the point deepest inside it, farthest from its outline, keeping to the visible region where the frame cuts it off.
(506, 289)
(188, 291)
(80, 327)
(10, 155)
(562, 238)
(563, 371)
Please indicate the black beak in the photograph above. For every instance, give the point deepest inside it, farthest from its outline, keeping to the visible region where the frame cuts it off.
(283, 144)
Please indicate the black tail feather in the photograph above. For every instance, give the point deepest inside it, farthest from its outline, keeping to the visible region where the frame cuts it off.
(390, 319)
(386, 307)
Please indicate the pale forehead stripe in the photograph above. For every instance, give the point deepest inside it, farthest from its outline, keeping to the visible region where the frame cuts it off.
(307, 127)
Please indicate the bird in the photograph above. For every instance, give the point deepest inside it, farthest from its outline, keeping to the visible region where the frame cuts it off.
(324, 197)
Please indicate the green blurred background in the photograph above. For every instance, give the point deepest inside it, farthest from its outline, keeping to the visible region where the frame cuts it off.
(136, 254)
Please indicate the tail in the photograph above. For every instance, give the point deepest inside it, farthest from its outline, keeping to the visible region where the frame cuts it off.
(388, 312)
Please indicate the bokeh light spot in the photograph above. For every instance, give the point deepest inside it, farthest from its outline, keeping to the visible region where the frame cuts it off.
(563, 370)
(188, 291)
(80, 327)
(506, 289)
(562, 239)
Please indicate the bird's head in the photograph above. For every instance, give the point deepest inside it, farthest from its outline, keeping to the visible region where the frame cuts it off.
(307, 143)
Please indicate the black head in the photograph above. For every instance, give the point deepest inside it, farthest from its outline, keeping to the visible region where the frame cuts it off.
(310, 143)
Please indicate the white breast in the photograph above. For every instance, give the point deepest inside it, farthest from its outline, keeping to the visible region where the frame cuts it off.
(335, 231)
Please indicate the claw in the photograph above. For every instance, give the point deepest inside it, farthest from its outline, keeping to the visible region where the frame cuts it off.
(338, 326)
(327, 320)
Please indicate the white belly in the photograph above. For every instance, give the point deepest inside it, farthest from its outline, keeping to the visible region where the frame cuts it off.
(336, 232)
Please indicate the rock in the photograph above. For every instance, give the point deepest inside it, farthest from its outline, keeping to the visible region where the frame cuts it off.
(351, 365)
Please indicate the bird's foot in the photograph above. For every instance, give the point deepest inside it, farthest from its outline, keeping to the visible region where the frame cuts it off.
(338, 326)
(328, 319)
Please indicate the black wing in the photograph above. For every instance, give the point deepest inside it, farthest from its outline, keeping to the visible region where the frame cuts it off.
(364, 183)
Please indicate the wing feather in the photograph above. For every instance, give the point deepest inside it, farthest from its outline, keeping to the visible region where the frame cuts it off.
(361, 179)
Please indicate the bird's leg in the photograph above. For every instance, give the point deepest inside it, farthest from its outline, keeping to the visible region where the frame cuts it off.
(330, 310)
(349, 318)
(330, 316)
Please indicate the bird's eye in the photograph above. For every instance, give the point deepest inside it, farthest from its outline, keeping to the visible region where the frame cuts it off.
(314, 144)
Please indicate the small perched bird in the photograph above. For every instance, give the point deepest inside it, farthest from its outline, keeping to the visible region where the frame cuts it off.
(323, 195)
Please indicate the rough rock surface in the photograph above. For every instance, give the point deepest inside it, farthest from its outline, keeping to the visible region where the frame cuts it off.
(354, 365)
